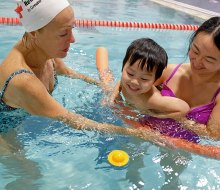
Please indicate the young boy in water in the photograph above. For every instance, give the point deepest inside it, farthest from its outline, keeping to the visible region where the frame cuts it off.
(143, 64)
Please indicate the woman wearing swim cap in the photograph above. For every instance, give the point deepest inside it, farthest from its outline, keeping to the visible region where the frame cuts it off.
(28, 73)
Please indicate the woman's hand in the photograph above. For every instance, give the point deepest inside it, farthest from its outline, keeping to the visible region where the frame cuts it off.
(153, 136)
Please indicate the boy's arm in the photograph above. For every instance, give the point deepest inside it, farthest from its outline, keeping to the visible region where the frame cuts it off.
(172, 107)
(105, 74)
(165, 106)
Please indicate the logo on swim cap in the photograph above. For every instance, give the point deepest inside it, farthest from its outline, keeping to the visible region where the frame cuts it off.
(27, 2)
(19, 10)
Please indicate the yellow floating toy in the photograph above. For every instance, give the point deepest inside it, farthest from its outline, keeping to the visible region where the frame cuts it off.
(118, 158)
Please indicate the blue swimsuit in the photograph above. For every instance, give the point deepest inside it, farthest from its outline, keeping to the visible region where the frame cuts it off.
(3, 106)
(11, 117)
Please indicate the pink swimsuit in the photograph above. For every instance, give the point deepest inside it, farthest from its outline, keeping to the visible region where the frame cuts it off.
(170, 127)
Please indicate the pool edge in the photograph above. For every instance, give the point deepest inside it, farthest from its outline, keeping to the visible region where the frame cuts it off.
(186, 8)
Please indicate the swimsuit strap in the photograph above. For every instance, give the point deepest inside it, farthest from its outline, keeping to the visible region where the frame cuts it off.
(174, 71)
(55, 74)
(9, 79)
(216, 93)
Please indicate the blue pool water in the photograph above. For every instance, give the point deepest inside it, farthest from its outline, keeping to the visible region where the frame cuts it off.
(44, 154)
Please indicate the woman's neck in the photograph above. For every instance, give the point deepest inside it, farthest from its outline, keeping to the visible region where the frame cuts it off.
(33, 55)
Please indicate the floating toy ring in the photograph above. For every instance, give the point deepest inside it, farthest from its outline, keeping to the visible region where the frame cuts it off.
(118, 158)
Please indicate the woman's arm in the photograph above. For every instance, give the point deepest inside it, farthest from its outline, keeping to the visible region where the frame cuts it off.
(212, 129)
(62, 69)
(114, 94)
(32, 96)
(213, 125)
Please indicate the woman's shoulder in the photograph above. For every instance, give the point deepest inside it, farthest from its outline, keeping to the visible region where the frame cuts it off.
(14, 67)
(13, 58)
(171, 67)
(167, 72)
(177, 68)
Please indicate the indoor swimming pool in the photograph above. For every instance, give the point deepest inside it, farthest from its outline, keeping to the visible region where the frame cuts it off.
(45, 154)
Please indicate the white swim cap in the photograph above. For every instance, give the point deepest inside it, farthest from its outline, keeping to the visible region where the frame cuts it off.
(35, 14)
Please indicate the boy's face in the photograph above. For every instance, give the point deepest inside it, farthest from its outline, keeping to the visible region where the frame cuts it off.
(135, 80)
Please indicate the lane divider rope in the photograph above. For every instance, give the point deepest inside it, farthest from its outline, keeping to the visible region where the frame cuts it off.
(106, 23)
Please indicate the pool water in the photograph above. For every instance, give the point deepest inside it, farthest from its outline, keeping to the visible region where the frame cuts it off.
(40, 153)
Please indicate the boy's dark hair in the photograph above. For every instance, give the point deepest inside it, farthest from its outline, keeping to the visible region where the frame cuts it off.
(149, 53)
(212, 27)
